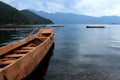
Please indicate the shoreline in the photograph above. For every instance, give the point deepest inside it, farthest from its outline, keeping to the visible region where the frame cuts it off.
(18, 27)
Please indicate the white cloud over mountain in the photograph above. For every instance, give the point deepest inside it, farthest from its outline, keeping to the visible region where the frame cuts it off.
(88, 7)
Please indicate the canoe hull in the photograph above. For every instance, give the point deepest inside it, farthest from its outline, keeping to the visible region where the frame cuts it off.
(25, 65)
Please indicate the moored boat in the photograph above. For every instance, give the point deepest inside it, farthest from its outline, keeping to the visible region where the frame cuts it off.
(57, 26)
(18, 59)
(95, 26)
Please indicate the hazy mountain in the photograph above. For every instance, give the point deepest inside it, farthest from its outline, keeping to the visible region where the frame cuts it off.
(35, 19)
(78, 18)
(110, 19)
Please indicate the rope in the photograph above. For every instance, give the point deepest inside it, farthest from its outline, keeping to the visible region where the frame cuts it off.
(32, 31)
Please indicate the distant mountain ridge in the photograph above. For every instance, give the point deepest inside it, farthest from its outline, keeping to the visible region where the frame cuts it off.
(34, 18)
(11, 16)
(73, 18)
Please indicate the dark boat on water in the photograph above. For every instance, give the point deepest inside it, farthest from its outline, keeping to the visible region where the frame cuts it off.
(95, 26)
(57, 26)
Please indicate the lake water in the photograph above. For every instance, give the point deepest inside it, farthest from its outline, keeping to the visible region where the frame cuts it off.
(80, 53)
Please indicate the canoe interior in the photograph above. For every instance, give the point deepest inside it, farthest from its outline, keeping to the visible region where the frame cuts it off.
(19, 52)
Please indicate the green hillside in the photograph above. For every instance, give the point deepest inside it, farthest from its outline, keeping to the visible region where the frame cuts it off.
(11, 16)
(35, 19)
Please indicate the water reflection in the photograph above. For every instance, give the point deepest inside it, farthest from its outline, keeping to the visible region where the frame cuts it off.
(7, 37)
(85, 54)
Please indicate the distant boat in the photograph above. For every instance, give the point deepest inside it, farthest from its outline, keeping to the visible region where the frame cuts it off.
(57, 26)
(95, 26)
(18, 60)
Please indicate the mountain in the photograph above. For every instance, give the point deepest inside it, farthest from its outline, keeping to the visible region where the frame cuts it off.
(72, 18)
(35, 19)
(10, 15)
(110, 19)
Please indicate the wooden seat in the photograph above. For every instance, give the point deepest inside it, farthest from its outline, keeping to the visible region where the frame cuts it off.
(7, 62)
(4, 59)
(20, 51)
(28, 48)
(15, 55)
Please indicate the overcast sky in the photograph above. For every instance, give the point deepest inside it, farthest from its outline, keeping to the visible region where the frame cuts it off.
(87, 7)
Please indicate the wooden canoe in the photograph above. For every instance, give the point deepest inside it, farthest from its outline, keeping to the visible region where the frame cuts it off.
(18, 59)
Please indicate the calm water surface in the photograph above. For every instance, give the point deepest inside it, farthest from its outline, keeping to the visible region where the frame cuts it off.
(80, 53)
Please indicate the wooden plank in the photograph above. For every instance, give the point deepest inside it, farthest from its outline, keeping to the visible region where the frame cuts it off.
(4, 59)
(15, 55)
(28, 48)
(20, 51)
(7, 62)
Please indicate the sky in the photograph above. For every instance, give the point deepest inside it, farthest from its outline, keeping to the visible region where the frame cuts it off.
(87, 7)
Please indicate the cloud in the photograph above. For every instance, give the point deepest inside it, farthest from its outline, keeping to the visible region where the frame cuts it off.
(7, 1)
(44, 5)
(56, 7)
(88, 7)
(98, 7)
